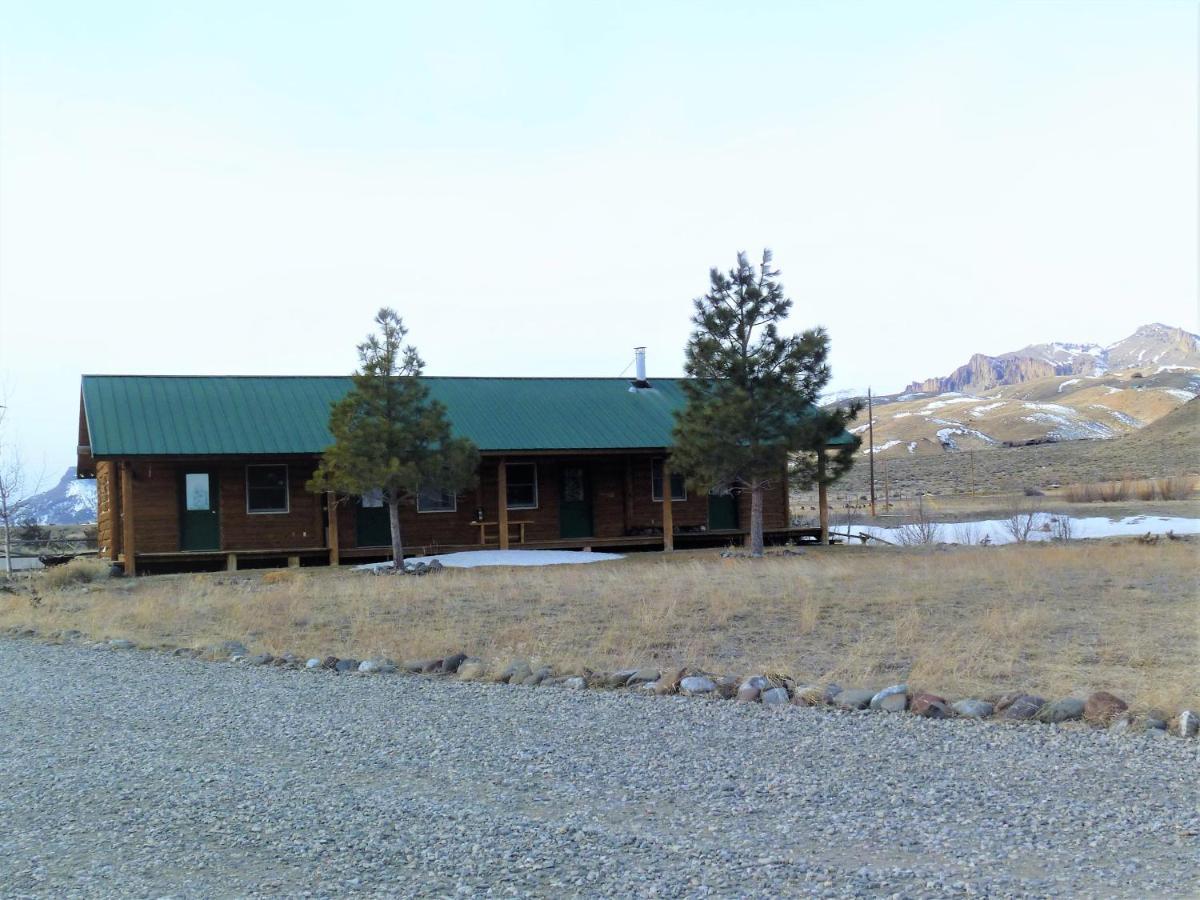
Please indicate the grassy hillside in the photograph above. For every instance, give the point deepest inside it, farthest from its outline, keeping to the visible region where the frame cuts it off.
(1058, 408)
(1168, 446)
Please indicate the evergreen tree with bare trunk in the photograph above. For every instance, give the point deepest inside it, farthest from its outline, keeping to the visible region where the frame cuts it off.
(751, 390)
(388, 434)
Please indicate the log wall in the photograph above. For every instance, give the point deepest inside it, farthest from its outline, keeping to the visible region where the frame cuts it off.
(622, 505)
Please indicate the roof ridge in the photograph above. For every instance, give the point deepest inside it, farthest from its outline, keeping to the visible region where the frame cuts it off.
(350, 375)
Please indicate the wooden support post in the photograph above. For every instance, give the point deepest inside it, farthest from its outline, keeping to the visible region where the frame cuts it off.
(822, 496)
(128, 543)
(502, 492)
(114, 509)
(293, 562)
(668, 517)
(331, 529)
(231, 562)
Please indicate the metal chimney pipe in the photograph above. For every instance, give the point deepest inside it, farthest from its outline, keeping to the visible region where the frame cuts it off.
(639, 357)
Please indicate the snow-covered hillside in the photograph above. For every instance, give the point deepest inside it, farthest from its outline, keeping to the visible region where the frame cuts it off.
(70, 502)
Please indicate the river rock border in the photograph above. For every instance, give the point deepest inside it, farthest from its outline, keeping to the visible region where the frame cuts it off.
(1100, 709)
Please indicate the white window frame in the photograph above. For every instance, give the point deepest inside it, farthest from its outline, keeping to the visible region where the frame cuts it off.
(453, 508)
(287, 490)
(536, 495)
(653, 499)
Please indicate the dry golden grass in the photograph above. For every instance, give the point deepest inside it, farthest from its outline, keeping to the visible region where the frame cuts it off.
(1178, 487)
(1055, 619)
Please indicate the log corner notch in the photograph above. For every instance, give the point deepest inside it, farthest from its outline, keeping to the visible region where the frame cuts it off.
(331, 529)
(127, 532)
(668, 516)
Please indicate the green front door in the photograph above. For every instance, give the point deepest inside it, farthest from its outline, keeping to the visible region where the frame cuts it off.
(372, 527)
(199, 521)
(722, 511)
(575, 503)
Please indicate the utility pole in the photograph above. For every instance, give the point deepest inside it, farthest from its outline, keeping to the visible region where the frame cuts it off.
(871, 434)
(887, 500)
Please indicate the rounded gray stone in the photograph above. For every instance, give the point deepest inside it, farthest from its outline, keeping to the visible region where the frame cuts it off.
(973, 709)
(854, 698)
(891, 691)
(1065, 710)
(697, 684)
(776, 696)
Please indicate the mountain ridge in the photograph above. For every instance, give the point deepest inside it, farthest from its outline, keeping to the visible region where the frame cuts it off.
(70, 502)
(1155, 344)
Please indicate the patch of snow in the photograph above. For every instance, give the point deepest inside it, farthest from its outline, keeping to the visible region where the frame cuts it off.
(951, 399)
(1050, 407)
(1185, 396)
(1087, 527)
(881, 447)
(912, 446)
(1121, 417)
(858, 429)
(1068, 381)
(904, 397)
(980, 410)
(901, 415)
(1067, 430)
(1162, 369)
(946, 435)
(471, 559)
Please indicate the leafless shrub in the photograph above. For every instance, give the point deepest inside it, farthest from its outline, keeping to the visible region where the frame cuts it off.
(968, 533)
(1061, 528)
(920, 529)
(1022, 519)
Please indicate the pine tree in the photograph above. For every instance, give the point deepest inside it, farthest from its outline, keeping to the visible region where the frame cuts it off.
(751, 390)
(812, 463)
(389, 435)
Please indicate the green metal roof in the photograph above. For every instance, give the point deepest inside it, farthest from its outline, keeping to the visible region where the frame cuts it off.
(152, 415)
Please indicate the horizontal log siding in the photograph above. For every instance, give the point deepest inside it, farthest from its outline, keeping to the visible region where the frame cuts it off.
(301, 527)
(431, 530)
(157, 507)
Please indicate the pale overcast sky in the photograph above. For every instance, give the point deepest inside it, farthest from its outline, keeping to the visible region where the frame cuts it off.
(538, 187)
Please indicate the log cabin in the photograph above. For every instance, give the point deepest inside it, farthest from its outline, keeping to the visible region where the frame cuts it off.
(210, 472)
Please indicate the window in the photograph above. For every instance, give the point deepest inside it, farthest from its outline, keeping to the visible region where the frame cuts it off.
(522, 486)
(196, 492)
(266, 489)
(435, 499)
(372, 499)
(678, 483)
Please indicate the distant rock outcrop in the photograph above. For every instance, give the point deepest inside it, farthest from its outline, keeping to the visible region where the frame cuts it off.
(983, 372)
(1153, 346)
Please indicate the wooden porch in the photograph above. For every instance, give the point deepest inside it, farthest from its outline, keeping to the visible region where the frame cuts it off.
(257, 558)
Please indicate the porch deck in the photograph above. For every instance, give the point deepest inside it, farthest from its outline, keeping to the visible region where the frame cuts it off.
(256, 558)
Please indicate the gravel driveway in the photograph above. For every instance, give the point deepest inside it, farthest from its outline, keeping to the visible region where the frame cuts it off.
(139, 774)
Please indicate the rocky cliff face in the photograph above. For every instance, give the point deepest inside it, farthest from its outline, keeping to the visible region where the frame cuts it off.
(1151, 346)
(984, 372)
